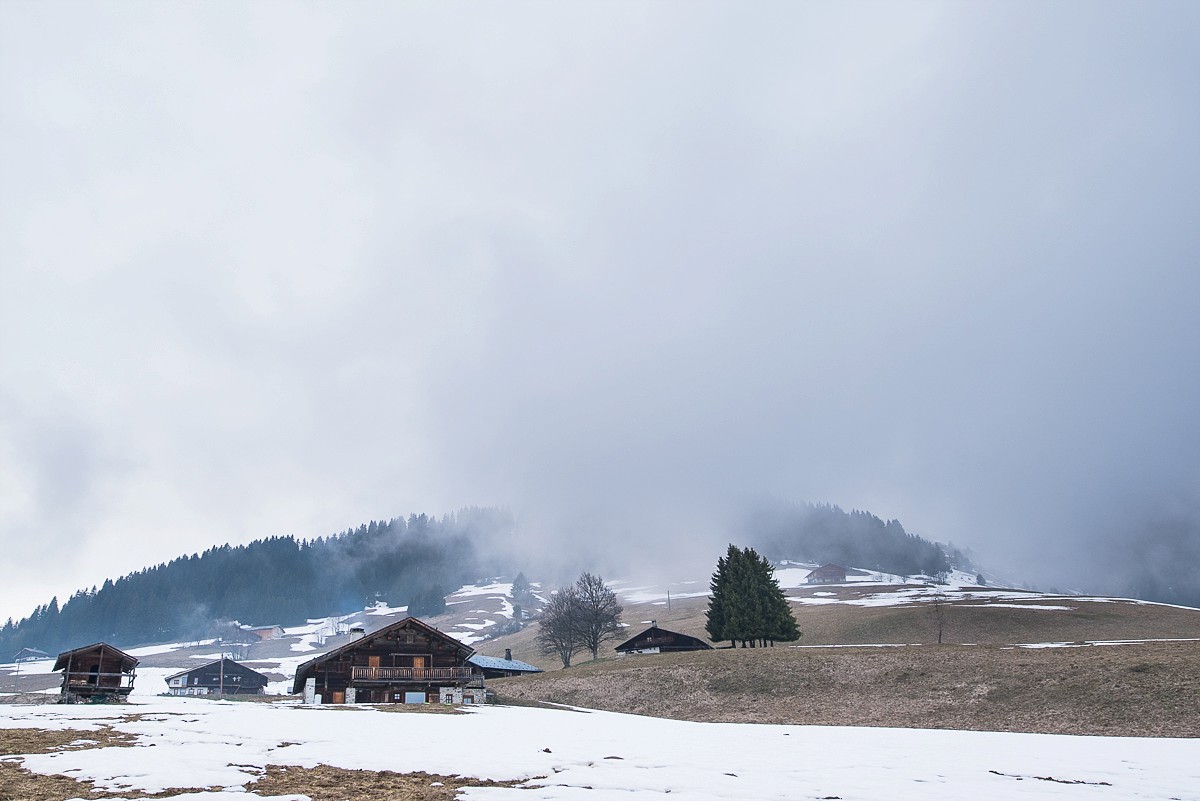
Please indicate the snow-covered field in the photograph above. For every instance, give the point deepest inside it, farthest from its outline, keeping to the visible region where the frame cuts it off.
(568, 755)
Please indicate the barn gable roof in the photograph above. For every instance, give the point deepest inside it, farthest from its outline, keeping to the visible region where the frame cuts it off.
(127, 662)
(242, 668)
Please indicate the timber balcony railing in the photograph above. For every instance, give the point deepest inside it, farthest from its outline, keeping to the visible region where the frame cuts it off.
(104, 681)
(408, 673)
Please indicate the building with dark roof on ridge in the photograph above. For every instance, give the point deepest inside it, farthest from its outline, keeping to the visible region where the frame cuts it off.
(656, 641)
(220, 677)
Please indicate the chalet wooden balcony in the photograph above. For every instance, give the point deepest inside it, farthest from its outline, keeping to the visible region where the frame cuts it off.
(106, 681)
(410, 674)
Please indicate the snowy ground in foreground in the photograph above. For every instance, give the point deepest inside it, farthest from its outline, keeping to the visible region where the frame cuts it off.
(184, 742)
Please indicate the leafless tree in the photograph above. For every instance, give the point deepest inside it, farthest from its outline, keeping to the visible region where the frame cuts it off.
(939, 612)
(598, 617)
(580, 617)
(557, 628)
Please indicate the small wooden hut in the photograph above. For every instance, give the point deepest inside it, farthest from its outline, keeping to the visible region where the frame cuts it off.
(96, 673)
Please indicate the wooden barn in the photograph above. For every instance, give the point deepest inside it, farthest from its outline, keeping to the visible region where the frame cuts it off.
(657, 641)
(827, 574)
(494, 667)
(221, 677)
(96, 673)
(406, 662)
(264, 632)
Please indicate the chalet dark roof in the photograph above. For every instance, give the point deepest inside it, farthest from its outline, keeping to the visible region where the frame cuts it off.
(464, 651)
(127, 662)
(665, 639)
(241, 668)
(496, 663)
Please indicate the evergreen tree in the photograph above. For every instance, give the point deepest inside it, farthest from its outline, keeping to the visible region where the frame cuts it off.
(522, 591)
(747, 604)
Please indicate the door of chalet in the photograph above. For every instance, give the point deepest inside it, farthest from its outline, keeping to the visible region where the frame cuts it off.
(418, 664)
(373, 661)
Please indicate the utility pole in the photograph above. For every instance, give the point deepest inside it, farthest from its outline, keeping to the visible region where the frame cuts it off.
(221, 685)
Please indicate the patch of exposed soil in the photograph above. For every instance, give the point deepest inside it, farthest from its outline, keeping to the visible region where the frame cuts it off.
(19, 784)
(323, 783)
(41, 741)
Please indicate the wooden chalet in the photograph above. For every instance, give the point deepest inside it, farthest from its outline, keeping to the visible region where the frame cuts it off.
(220, 677)
(494, 667)
(96, 673)
(406, 662)
(827, 574)
(657, 641)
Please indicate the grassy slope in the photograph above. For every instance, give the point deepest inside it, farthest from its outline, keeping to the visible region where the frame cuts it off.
(1142, 689)
(840, 624)
(1145, 689)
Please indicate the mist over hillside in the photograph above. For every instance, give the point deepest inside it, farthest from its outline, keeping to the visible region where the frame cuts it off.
(411, 562)
(826, 533)
(415, 562)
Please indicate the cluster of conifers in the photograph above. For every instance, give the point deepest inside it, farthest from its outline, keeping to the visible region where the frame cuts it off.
(747, 605)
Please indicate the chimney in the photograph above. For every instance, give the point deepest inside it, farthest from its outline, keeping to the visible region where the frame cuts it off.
(357, 632)
(654, 624)
(508, 654)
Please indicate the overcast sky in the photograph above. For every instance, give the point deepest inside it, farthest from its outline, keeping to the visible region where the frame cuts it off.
(282, 268)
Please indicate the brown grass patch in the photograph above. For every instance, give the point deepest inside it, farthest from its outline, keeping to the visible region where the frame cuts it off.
(19, 784)
(324, 783)
(42, 741)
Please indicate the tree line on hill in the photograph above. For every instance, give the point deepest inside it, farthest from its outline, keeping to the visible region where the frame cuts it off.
(826, 533)
(278, 580)
(410, 562)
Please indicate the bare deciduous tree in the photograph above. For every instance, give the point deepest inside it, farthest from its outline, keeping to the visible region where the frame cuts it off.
(556, 629)
(579, 617)
(599, 614)
(939, 612)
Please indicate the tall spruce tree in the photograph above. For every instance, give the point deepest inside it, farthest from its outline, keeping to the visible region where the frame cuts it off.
(747, 604)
